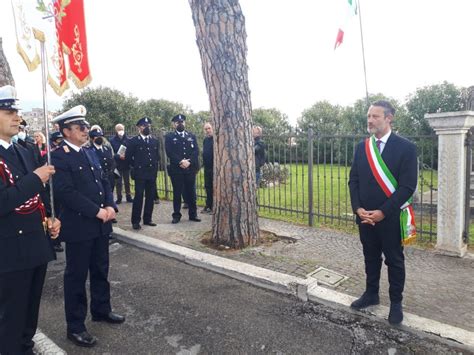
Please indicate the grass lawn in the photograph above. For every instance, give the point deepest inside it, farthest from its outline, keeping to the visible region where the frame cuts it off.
(289, 201)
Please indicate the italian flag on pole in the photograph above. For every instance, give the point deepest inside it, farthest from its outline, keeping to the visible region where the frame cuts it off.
(351, 11)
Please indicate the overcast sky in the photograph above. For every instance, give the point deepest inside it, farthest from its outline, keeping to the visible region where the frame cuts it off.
(148, 48)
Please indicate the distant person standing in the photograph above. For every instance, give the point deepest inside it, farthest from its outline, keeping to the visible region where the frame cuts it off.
(40, 141)
(105, 156)
(55, 139)
(208, 163)
(183, 154)
(259, 147)
(382, 180)
(121, 139)
(143, 156)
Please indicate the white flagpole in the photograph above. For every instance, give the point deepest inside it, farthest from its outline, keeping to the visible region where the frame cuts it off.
(363, 53)
(46, 124)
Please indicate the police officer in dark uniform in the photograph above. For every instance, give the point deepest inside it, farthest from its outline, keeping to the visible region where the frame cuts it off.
(143, 156)
(104, 154)
(183, 154)
(55, 139)
(87, 208)
(25, 249)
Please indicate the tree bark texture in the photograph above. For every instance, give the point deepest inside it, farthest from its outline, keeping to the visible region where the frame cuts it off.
(221, 39)
(6, 77)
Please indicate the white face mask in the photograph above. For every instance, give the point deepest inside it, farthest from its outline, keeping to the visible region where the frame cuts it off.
(22, 135)
(120, 133)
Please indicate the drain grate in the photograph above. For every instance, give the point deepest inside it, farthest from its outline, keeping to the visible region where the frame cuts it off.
(327, 277)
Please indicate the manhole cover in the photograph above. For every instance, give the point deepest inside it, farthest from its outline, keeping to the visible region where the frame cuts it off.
(327, 277)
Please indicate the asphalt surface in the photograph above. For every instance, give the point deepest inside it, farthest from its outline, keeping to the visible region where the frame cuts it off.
(175, 308)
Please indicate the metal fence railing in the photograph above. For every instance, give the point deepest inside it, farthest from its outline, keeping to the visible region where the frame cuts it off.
(305, 180)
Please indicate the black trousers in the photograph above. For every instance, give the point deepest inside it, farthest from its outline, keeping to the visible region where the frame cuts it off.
(125, 175)
(90, 256)
(208, 176)
(20, 296)
(184, 185)
(147, 187)
(384, 238)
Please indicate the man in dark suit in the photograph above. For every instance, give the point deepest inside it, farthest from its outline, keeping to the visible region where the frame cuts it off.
(183, 154)
(143, 156)
(87, 208)
(121, 139)
(208, 163)
(378, 215)
(25, 249)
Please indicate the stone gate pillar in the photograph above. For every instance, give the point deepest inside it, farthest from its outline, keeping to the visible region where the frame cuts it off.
(451, 128)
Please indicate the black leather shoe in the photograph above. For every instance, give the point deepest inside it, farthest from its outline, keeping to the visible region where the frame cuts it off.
(129, 199)
(175, 220)
(195, 219)
(109, 318)
(118, 201)
(136, 226)
(395, 315)
(82, 339)
(366, 300)
(151, 224)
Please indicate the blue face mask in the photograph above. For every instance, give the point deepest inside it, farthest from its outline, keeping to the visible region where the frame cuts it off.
(15, 138)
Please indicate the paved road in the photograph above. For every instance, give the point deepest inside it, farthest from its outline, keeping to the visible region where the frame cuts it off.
(174, 308)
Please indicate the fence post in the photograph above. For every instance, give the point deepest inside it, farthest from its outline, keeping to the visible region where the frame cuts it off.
(164, 160)
(452, 129)
(310, 178)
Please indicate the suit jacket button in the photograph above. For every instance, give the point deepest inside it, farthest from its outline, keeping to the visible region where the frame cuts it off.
(100, 193)
(92, 168)
(101, 205)
(80, 168)
(20, 232)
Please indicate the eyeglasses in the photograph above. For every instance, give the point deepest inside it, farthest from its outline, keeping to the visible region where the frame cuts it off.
(82, 127)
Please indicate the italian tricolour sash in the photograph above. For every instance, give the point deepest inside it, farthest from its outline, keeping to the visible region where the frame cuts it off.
(387, 182)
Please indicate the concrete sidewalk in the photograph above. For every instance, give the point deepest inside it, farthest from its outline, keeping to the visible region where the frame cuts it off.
(438, 287)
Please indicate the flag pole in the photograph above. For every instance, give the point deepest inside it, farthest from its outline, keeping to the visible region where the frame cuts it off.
(363, 53)
(46, 125)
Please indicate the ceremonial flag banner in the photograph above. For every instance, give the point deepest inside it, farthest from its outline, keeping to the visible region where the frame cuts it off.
(60, 25)
(350, 12)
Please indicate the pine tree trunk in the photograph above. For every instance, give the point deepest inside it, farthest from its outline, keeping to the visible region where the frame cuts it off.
(220, 33)
(6, 77)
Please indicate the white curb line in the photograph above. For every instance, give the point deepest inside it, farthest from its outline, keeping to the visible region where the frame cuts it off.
(305, 289)
(45, 346)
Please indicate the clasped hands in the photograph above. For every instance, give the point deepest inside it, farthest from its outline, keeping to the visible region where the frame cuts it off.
(54, 226)
(370, 217)
(184, 164)
(106, 214)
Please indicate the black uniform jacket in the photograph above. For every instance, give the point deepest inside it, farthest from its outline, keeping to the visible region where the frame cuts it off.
(82, 188)
(106, 158)
(399, 155)
(179, 148)
(23, 241)
(143, 157)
